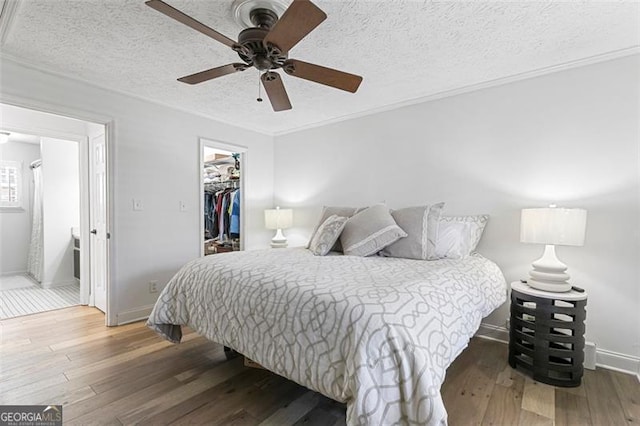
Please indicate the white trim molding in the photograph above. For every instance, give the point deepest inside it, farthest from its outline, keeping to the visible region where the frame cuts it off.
(608, 56)
(138, 314)
(493, 332)
(618, 362)
(605, 359)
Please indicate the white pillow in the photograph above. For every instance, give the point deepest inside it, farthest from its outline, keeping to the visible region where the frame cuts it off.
(327, 234)
(458, 236)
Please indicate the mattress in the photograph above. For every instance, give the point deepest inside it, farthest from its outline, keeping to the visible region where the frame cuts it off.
(376, 333)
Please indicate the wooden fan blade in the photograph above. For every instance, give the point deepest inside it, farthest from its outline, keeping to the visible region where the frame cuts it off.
(323, 75)
(296, 22)
(174, 13)
(201, 76)
(275, 90)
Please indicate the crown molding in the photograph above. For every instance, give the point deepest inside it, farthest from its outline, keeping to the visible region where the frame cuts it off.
(39, 68)
(609, 56)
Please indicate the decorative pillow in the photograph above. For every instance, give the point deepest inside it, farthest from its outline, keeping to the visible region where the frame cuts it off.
(338, 211)
(459, 236)
(327, 235)
(370, 231)
(421, 225)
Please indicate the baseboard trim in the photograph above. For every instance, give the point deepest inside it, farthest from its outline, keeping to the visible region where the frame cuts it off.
(12, 273)
(493, 332)
(134, 315)
(604, 358)
(618, 362)
(52, 284)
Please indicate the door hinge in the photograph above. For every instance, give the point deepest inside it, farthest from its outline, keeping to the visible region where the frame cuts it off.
(108, 235)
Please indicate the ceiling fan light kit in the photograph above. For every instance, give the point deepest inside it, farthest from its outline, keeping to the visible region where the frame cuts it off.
(266, 44)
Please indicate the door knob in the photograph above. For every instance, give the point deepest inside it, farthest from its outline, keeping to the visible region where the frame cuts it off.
(94, 231)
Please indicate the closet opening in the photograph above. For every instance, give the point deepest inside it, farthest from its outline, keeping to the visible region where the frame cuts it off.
(222, 195)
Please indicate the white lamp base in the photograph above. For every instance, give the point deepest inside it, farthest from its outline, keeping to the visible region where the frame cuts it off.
(279, 240)
(548, 272)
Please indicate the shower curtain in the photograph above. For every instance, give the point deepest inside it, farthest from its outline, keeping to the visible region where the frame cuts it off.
(36, 247)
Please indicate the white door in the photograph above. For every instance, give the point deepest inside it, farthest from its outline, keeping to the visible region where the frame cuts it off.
(98, 238)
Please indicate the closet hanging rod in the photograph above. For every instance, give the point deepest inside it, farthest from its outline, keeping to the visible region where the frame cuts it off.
(216, 186)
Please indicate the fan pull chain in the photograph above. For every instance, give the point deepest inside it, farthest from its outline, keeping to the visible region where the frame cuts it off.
(259, 99)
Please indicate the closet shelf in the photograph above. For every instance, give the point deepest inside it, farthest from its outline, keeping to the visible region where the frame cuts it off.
(220, 162)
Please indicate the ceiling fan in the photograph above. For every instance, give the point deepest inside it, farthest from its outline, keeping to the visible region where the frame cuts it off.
(266, 47)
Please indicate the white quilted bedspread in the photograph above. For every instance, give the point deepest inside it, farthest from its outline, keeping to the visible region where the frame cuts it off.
(377, 333)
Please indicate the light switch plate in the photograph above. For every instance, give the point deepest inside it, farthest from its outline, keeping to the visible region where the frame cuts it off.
(137, 205)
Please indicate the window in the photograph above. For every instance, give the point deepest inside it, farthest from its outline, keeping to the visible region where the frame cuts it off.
(10, 185)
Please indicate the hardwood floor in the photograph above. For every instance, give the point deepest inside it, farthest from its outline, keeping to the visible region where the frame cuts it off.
(127, 375)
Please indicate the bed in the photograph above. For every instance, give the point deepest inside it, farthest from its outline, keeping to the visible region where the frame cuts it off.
(376, 333)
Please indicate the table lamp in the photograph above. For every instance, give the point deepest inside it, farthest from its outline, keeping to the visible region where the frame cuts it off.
(552, 226)
(278, 219)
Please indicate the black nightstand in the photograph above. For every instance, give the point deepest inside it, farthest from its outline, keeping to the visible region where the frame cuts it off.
(546, 336)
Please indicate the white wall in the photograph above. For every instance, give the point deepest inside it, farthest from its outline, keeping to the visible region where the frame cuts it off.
(15, 226)
(571, 138)
(60, 208)
(155, 159)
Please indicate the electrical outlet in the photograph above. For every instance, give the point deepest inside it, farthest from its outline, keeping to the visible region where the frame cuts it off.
(590, 355)
(153, 286)
(137, 205)
(183, 206)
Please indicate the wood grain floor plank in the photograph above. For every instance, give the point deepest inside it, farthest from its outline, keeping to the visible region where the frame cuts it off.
(114, 362)
(528, 418)
(175, 361)
(214, 406)
(294, 411)
(319, 416)
(112, 409)
(626, 387)
(99, 335)
(474, 389)
(20, 395)
(14, 345)
(271, 393)
(571, 409)
(604, 405)
(182, 393)
(130, 374)
(124, 388)
(506, 399)
(539, 398)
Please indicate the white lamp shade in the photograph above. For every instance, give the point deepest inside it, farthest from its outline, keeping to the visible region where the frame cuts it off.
(557, 226)
(278, 218)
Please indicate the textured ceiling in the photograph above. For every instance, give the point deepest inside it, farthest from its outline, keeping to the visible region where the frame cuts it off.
(403, 49)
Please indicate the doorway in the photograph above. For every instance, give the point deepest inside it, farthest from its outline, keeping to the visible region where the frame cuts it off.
(222, 177)
(80, 256)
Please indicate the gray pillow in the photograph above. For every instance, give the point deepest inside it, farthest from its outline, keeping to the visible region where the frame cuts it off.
(327, 234)
(370, 231)
(421, 225)
(338, 211)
